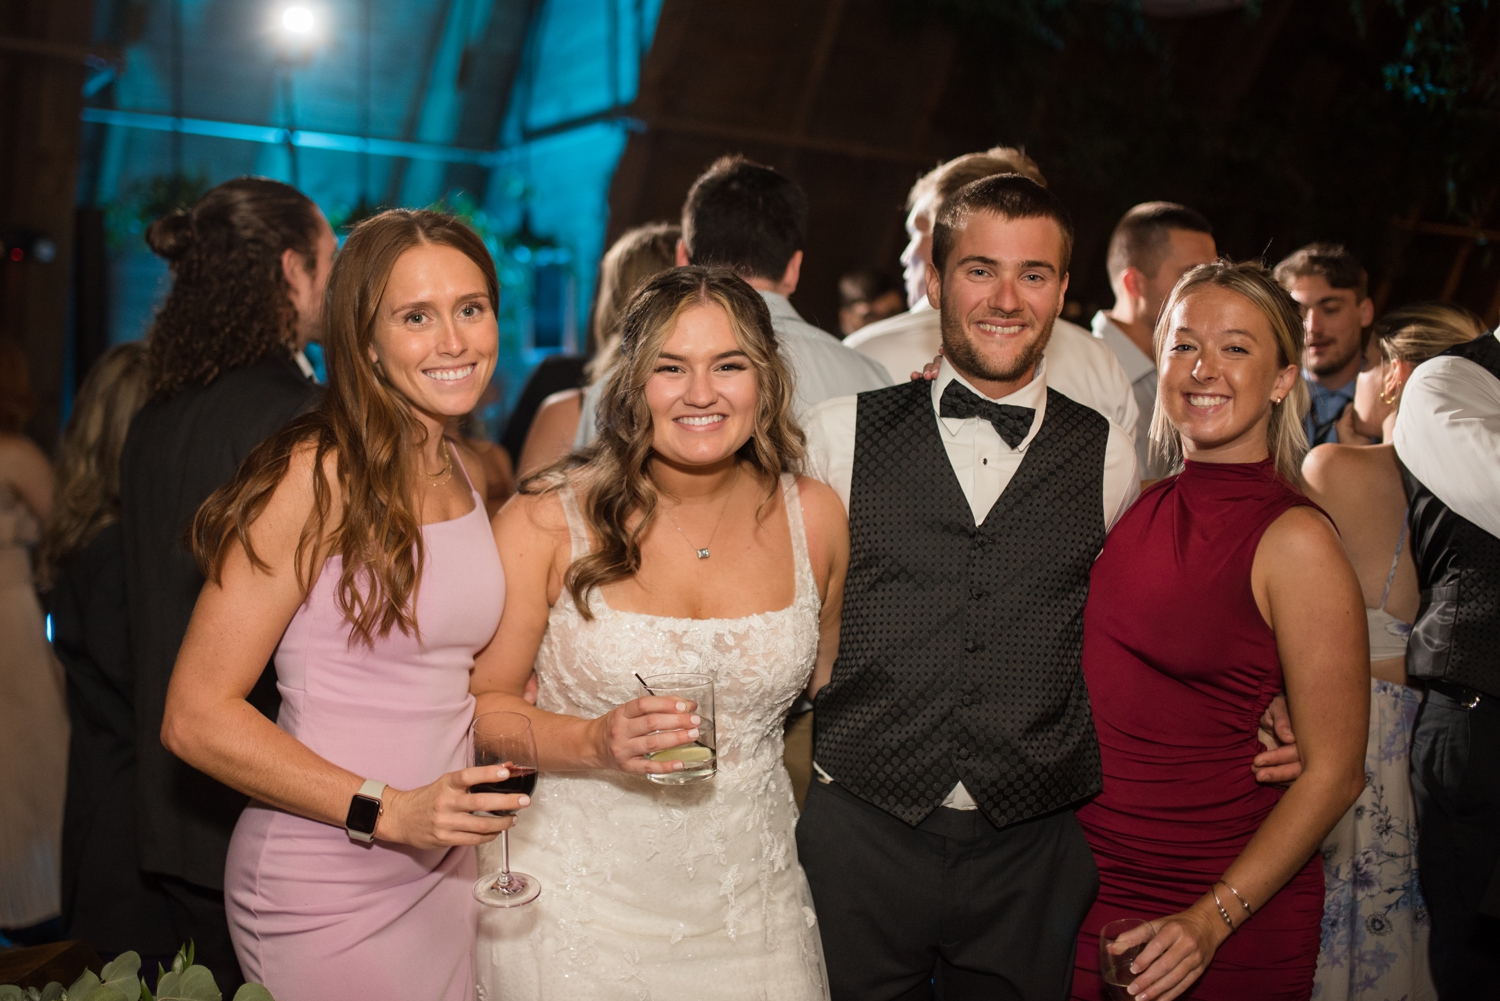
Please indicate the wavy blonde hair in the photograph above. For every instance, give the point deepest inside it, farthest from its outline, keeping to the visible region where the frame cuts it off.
(637, 255)
(368, 428)
(1286, 439)
(88, 468)
(615, 472)
(1425, 330)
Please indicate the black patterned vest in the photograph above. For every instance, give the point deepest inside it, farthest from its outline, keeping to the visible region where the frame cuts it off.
(959, 656)
(1456, 637)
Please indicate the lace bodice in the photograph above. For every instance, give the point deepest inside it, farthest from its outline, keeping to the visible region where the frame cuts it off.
(759, 663)
(654, 892)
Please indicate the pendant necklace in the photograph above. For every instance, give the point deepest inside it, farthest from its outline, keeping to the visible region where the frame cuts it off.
(703, 553)
(441, 478)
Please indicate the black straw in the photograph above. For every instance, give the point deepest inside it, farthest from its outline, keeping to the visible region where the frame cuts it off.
(643, 683)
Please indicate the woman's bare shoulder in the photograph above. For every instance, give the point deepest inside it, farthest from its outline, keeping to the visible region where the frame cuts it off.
(820, 504)
(21, 456)
(532, 513)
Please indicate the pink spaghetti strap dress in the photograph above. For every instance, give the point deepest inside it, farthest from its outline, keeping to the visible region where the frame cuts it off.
(314, 914)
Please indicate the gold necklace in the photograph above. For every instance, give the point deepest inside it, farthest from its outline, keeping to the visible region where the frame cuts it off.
(703, 553)
(442, 478)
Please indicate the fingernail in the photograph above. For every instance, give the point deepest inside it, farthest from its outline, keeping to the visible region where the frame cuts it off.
(696, 720)
(682, 707)
(1133, 969)
(693, 732)
(502, 773)
(677, 766)
(525, 800)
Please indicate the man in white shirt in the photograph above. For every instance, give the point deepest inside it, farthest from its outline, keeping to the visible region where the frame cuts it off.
(1078, 365)
(1448, 440)
(1153, 245)
(953, 734)
(752, 220)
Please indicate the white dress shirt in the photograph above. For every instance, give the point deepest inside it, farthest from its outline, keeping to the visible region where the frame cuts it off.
(983, 463)
(1448, 435)
(1141, 371)
(1078, 366)
(821, 366)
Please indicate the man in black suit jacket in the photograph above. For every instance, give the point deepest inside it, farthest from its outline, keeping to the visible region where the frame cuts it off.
(250, 264)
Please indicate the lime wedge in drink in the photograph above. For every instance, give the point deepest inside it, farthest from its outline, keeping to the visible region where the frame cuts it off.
(686, 753)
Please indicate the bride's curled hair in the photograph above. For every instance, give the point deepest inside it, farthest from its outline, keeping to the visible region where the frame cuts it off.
(613, 475)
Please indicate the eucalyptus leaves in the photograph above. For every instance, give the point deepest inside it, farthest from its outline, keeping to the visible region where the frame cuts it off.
(120, 980)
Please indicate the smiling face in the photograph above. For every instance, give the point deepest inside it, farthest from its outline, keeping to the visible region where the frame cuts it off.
(1220, 371)
(435, 337)
(702, 391)
(1001, 292)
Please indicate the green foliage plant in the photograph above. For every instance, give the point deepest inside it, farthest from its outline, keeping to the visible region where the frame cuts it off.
(121, 980)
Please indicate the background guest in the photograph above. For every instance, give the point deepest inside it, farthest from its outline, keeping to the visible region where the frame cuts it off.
(1375, 925)
(747, 217)
(250, 263)
(106, 899)
(634, 257)
(1078, 365)
(1447, 438)
(1153, 245)
(1332, 289)
(353, 545)
(865, 297)
(1220, 586)
(33, 716)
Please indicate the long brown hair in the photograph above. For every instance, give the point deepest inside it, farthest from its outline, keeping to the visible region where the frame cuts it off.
(230, 304)
(1286, 439)
(637, 255)
(615, 470)
(367, 427)
(88, 465)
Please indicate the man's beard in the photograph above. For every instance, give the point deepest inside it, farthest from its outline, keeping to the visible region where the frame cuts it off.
(970, 361)
(1326, 368)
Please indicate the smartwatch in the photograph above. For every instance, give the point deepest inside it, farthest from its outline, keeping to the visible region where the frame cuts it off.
(364, 810)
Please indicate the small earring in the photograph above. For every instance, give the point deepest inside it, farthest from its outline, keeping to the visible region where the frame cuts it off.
(1391, 400)
(1275, 402)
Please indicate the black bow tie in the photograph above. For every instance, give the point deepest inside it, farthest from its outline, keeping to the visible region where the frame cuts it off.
(1013, 423)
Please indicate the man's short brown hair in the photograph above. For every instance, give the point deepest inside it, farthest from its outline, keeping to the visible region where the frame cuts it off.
(1143, 237)
(942, 182)
(1329, 261)
(1010, 196)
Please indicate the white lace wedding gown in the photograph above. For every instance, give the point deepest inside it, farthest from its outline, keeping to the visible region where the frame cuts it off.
(660, 893)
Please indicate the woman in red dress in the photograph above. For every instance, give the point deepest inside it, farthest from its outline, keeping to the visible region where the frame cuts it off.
(1221, 587)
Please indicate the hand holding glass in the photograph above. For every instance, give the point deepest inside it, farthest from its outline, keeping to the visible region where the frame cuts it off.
(505, 739)
(699, 759)
(1120, 942)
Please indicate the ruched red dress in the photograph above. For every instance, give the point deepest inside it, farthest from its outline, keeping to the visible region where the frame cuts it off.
(1180, 665)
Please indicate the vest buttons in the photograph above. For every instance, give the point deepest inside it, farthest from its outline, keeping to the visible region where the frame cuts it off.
(978, 593)
(973, 646)
(963, 752)
(967, 700)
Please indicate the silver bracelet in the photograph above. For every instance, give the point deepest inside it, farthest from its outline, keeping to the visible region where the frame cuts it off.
(1222, 912)
(1241, 899)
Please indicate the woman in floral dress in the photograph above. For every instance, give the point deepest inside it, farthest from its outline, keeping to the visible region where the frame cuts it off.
(1375, 925)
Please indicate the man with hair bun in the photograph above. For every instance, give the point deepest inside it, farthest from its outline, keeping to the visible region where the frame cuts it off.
(250, 263)
(1333, 290)
(1078, 366)
(1153, 245)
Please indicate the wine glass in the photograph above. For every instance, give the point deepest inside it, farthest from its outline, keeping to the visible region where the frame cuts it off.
(505, 739)
(1114, 967)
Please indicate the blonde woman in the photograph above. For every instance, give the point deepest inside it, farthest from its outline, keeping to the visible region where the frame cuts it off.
(106, 899)
(1222, 586)
(683, 541)
(634, 257)
(1375, 926)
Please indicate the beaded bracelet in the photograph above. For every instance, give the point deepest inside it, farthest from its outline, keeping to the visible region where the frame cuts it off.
(1222, 912)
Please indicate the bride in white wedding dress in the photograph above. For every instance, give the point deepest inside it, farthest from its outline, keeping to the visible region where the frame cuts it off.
(685, 543)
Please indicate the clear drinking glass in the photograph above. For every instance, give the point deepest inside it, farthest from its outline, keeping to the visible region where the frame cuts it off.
(1114, 967)
(699, 760)
(505, 739)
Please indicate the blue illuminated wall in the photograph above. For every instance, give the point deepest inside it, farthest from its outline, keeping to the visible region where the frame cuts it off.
(511, 111)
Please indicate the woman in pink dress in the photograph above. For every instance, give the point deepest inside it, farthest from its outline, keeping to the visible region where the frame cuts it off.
(353, 545)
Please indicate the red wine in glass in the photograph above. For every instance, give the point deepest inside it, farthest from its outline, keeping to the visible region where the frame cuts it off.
(522, 782)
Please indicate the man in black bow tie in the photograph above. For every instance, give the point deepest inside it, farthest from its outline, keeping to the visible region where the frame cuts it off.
(953, 734)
